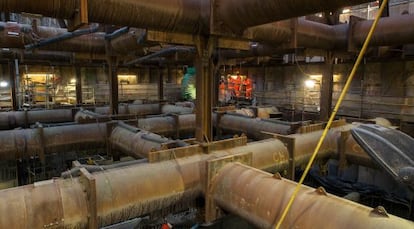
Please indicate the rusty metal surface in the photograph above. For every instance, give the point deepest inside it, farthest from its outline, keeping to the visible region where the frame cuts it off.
(47, 204)
(260, 198)
(135, 142)
(250, 126)
(18, 35)
(13, 119)
(129, 42)
(168, 125)
(129, 192)
(386, 30)
(177, 15)
(31, 142)
(168, 108)
(236, 15)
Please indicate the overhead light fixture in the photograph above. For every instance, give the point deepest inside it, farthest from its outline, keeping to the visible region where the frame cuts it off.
(310, 83)
(4, 84)
(345, 11)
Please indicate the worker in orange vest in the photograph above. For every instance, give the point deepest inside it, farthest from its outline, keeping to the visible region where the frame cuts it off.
(230, 85)
(248, 86)
(237, 83)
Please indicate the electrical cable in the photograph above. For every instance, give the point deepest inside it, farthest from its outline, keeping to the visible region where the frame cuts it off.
(335, 110)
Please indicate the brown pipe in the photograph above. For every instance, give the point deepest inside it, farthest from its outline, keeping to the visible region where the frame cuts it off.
(24, 35)
(252, 127)
(130, 192)
(393, 30)
(31, 142)
(260, 198)
(13, 119)
(135, 142)
(129, 42)
(180, 15)
(167, 125)
(237, 15)
(176, 15)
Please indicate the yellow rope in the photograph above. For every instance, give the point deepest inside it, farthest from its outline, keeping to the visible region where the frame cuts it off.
(325, 131)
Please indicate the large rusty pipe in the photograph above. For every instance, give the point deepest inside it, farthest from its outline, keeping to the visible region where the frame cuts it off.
(179, 15)
(13, 119)
(136, 142)
(125, 193)
(317, 35)
(233, 124)
(168, 126)
(146, 109)
(39, 141)
(174, 15)
(397, 29)
(19, 35)
(260, 198)
(236, 15)
(252, 127)
(309, 34)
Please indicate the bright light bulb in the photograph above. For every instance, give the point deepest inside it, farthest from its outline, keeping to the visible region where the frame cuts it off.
(73, 80)
(310, 83)
(4, 84)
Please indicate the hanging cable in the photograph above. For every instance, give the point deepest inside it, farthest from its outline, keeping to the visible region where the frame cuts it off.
(328, 125)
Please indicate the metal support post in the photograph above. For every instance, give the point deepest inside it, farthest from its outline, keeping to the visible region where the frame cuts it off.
(161, 85)
(78, 86)
(327, 88)
(204, 87)
(13, 87)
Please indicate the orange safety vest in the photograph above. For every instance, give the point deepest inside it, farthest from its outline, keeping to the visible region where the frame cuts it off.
(248, 85)
(237, 83)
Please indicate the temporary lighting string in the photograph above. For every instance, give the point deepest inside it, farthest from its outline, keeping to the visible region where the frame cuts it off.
(328, 125)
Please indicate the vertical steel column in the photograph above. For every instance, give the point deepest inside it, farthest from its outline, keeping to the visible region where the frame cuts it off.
(19, 95)
(12, 85)
(78, 85)
(204, 87)
(113, 84)
(327, 88)
(161, 85)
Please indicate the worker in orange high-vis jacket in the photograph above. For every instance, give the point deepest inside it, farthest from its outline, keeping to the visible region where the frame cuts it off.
(230, 85)
(237, 84)
(249, 87)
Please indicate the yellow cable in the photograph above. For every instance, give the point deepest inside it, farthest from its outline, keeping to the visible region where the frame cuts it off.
(328, 125)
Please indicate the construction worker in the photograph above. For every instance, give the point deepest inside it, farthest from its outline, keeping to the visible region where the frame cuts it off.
(248, 86)
(237, 83)
(222, 89)
(230, 85)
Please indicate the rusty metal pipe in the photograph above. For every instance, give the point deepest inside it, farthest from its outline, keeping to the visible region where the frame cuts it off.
(136, 142)
(167, 125)
(179, 15)
(125, 193)
(397, 29)
(252, 127)
(174, 15)
(39, 141)
(236, 15)
(13, 119)
(260, 198)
